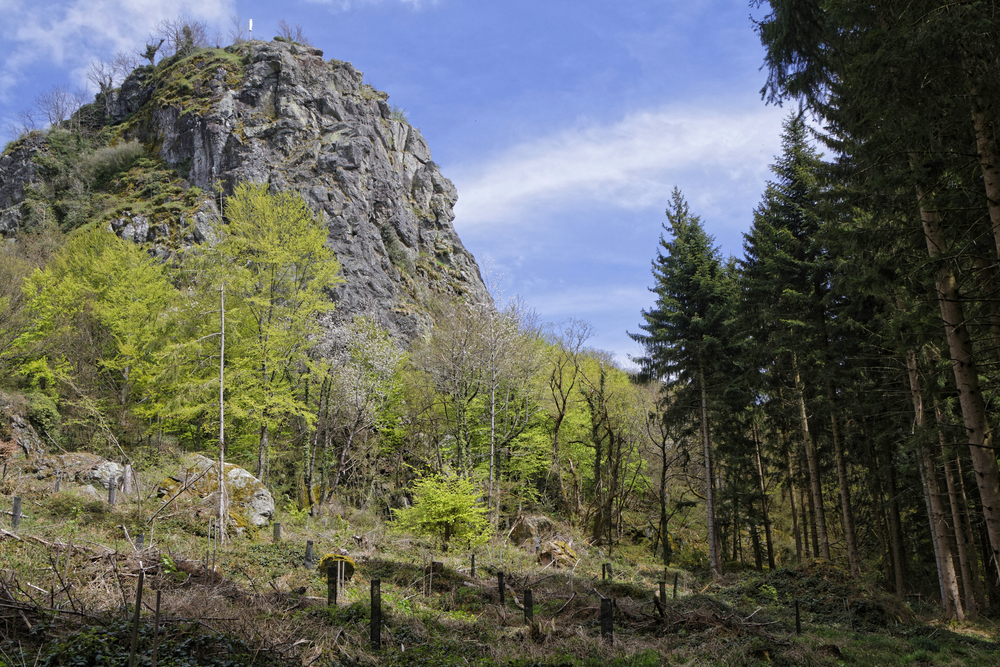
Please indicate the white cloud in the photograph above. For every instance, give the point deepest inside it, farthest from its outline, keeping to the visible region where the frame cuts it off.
(631, 164)
(54, 33)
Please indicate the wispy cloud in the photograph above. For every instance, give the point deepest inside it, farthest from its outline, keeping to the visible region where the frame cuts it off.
(55, 33)
(630, 164)
(346, 5)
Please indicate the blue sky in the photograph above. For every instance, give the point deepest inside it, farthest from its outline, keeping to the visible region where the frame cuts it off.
(564, 124)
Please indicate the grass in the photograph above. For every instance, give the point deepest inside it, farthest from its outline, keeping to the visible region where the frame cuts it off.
(261, 601)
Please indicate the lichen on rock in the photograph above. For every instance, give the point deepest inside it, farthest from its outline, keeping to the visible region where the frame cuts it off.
(250, 503)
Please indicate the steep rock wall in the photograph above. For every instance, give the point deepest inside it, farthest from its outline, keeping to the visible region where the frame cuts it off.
(278, 113)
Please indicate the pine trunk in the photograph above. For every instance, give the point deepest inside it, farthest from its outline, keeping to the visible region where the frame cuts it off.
(847, 515)
(950, 598)
(812, 459)
(969, 601)
(713, 546)
(765, 513)
(796, 531)
(963, 364)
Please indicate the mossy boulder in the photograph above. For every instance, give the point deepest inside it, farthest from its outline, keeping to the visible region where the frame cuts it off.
(559, 553)
(331, 560)
(250, 503)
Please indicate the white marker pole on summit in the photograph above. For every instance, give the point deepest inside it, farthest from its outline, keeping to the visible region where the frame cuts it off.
(251, 28)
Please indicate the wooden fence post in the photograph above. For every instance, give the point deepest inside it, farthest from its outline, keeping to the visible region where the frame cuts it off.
(135, 622)
(607, 620)
(309, 555)
(156, 628)
(473, 566)
(529, 607)
(15, 519)
(112, 487)
(277, 532)
(662, 602)
(376, 630)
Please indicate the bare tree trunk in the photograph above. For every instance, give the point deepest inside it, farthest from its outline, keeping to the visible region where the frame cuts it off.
(223, 502)
(970, 601)
(847, 515)
(812, 458)
(713, 547)
(970, 536)
(950, 597)
(791, 502)
(763, 498)
(963, 364)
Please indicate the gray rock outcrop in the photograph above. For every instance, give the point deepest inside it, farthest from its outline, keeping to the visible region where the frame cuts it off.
(80, 467)
(278, 113)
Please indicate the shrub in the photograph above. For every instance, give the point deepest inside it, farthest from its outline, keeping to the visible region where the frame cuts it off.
(110, 160)
(446, 507)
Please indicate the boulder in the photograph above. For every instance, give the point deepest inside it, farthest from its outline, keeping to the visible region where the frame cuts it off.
(528, 528)
(559, 553)
(250, 503)
(80, 467)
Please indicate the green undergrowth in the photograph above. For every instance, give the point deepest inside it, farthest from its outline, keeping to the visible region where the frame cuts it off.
(109, 643)
(261, 596)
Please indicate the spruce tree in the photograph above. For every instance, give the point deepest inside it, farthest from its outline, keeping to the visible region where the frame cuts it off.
(685, 332)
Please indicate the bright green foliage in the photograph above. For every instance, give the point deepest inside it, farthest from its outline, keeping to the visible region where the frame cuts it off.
(279, 271)
(446, 508)
(101, 304)
(272, 272)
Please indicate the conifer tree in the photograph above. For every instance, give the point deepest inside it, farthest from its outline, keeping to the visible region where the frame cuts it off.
(685, 332)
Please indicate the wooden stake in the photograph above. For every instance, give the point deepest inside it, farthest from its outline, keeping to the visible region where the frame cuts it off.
(156, 628)
(135, 622)
(376, 628)
(529, 607)
(607, 620)
(15, 519)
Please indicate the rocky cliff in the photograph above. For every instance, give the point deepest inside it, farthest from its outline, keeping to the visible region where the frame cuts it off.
(277, 112)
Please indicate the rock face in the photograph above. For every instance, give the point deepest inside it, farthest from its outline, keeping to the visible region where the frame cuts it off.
(18, 438)
(278, 113)
(250, 503)
(17, 171)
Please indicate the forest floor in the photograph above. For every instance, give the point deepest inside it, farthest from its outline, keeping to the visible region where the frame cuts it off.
(69, 576)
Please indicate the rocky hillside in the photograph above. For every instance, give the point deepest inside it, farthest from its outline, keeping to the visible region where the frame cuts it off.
(273, 112)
